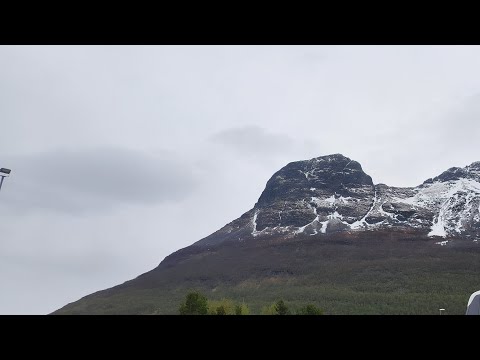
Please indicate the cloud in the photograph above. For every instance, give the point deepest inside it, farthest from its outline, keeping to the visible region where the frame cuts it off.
(94, 180)
(253, 140)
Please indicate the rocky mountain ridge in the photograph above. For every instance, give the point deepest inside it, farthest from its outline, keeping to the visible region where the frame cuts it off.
(333, 194)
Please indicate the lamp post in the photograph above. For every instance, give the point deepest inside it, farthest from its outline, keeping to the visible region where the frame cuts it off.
(3, 174)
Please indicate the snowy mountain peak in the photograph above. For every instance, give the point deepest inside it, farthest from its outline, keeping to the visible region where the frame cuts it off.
(471, 171)
(333, 194)
(474, 169)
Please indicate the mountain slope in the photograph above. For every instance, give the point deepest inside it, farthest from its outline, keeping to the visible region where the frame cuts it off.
(323, 232)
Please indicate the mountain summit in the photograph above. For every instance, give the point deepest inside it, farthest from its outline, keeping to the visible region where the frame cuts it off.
(332, 193)
(322, 231)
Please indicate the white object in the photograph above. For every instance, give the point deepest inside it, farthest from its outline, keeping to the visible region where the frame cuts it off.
(473, 307)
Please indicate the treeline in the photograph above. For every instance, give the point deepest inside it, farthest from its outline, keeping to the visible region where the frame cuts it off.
(196, 303)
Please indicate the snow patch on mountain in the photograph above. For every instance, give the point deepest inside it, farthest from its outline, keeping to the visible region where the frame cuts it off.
(330, 200)
(362, 222)
(443, 208)
(438, 227)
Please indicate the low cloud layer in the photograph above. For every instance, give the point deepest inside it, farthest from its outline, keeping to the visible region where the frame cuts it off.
(94, 180)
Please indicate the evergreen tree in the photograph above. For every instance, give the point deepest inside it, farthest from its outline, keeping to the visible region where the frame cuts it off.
(221, 310)
(194, 304)
(281, 308)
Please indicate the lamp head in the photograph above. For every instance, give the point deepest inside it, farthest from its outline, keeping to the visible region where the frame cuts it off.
(5, 172)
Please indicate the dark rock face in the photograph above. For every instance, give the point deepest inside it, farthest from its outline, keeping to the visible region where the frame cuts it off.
(326, 174)
(333, 194)
(303, 190)
(455, 173)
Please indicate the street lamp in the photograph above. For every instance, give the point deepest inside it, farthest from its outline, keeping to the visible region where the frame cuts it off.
(4, 173)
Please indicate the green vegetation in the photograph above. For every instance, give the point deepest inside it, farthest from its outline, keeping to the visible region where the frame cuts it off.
(281, 308)
(310, 309)
(242, 309)
(221, 311)
(268, 310)
(367, 274)
(277, 308)
(195, 304)
(221, 307)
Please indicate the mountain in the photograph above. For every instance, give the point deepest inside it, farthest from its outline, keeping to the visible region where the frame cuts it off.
(332, 193)
(322, 231)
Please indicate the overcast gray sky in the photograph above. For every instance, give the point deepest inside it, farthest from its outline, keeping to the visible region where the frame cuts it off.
(121, 155)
